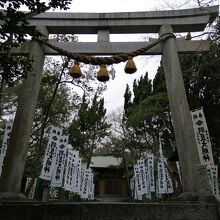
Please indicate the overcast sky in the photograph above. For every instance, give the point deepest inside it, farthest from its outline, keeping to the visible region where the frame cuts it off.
(116, 88)
(112, 5)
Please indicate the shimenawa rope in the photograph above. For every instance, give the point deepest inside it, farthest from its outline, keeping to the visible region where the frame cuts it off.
(94, 60)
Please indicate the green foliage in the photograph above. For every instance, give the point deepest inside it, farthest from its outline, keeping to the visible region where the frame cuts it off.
(145, 116)
(9, 100)
(15, 26)
(58, 114)
(57, 105)
(141, 88)
(127, 101)
(202, 75)
(159, 83)
(149, 112)
(15, 29)
(89, 127)
(14, 67)
(62, 106)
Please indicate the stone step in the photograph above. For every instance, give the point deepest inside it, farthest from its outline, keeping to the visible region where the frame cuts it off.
(109, 211)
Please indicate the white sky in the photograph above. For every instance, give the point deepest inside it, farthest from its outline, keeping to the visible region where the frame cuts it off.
(112, 5)
(116, 88)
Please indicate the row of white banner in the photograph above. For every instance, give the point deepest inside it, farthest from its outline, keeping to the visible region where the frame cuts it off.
(63, 167)
(144, 182)
(59, 158)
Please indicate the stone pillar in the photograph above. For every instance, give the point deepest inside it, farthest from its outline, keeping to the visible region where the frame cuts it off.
(192, 179)
(103, 35)
(13, 168)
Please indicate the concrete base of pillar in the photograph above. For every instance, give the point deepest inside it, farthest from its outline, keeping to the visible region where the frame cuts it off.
(200, 181)
(13, 197)
(45, 195)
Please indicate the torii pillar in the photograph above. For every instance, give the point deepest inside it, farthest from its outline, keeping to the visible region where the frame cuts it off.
(194, 177)
(14, 162)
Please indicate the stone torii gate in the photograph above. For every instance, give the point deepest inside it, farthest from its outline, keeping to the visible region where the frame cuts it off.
(104, 24)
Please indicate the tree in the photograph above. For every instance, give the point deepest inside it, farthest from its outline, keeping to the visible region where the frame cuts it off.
(147, 117)
(52, 109)
(89, 127)
(127, 101)
(15, 29)
(151, 114)
(173, 5)
(205, 3)
(148, 113)
(57, 103)
(201, 75)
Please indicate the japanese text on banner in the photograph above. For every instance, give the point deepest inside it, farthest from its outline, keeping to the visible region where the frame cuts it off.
(202, 137)
(57, 176)
(50, 154)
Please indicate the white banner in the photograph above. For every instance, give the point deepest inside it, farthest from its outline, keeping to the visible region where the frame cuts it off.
(85, 184)
(162, 184)
(178, 169)
(138, 192)
(148, 195)
(150, 172)
(161, 177)
(132, 187)
(91, 187)
(81, 176)
(202, 137)
(138, 196)
(50, 154)
(142, 176)
(32, 191)
(7, 131)
(54, 193)
(160, 148)
(212, 172)
(92, 194)
(71, 164)
(169, 183)
(57, 176)
(78, 177)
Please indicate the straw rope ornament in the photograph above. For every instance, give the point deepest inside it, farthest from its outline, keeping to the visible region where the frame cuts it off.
(102, 61)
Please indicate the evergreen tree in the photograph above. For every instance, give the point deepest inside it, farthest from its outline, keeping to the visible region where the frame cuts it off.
(89, 127)
(141, 88)
(159, 83)
(146, 104)
(56, 106)
(201, 77)
(127, 101)
(14, 30)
